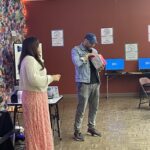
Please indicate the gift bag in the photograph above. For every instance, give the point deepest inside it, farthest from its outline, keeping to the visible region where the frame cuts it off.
(98, 62)
(103, 60)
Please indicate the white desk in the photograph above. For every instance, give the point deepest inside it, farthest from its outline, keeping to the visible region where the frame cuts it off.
(54, 115)
(54, 100)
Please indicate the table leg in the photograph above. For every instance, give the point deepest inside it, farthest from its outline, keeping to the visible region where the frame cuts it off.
(15, 113)
(50, 113)
(107, 78)
(58, 121)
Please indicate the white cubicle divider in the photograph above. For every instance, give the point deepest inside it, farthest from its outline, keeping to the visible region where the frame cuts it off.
(19, 96)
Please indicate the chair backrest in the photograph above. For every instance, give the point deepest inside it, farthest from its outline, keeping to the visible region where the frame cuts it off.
(145, 85)
(144, 80)
(6, 124)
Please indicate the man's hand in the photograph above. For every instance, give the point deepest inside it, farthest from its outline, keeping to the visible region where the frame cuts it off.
(88, 55)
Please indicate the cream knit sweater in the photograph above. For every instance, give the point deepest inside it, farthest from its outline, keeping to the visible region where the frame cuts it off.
(32, 78)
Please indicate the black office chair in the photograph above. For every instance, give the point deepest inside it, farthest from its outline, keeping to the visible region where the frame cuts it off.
(144, 93)
(6, 131)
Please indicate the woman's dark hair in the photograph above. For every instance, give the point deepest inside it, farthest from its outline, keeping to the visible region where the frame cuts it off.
(30, 48)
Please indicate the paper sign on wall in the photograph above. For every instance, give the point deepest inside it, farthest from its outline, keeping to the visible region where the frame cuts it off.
(149, 33)
(57, 37)
(131, 51)
(107, 36)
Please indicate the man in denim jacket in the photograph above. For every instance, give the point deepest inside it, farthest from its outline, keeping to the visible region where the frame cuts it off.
(88, 83)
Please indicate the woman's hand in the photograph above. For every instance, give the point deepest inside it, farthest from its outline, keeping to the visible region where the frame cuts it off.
(56, 77)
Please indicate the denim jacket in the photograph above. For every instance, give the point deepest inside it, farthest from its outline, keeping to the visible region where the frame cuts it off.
(82, 69)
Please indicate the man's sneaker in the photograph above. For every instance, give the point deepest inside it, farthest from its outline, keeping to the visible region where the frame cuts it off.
(78, 136)
(93, 132)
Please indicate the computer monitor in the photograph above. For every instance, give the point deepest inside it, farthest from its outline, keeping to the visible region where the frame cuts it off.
(17, 53)
(144, 64)
(114, 64)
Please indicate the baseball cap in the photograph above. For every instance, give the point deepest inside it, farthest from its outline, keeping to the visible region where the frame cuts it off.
(91, 38)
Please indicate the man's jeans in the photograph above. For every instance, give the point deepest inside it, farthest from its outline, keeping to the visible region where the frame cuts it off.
(87, 93)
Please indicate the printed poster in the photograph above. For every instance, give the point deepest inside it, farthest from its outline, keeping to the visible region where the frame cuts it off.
(131, 51)
(57, 37)
(107, 36)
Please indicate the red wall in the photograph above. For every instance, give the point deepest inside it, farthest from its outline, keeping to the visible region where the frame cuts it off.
(128, 18)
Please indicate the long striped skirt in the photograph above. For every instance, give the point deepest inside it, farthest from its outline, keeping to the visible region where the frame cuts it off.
(38, 133)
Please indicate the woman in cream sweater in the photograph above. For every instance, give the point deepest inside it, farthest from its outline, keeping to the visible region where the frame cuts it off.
(34, 82)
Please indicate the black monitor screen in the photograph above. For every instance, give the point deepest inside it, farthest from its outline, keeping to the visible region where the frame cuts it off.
(17, 52)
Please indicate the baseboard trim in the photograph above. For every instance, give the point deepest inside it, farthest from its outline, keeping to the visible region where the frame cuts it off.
(70, 95)
(103, 95)
(121, 95)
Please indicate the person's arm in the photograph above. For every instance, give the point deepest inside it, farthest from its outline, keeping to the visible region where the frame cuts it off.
(33, 76)
(79, 61)
(76, 58)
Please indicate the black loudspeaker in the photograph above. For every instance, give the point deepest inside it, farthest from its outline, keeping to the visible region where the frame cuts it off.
(6, 131)
(14, 97)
